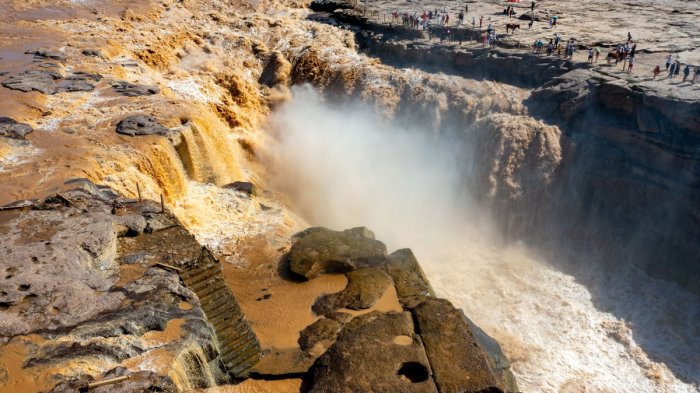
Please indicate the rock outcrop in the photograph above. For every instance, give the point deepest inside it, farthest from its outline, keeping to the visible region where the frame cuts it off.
(425, 346)
(94, 282)
(12, 129)
(139, 125)
(321, 250)
(51, 82)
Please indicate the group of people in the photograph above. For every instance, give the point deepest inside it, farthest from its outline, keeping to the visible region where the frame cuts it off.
(674, 70)
(554, 45)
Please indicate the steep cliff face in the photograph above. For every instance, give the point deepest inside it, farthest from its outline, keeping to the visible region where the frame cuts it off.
(611, 162)
(91, 290)
(630, 182)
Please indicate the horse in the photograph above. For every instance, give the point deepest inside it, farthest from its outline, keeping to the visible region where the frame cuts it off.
(512, 27)
(614, 55)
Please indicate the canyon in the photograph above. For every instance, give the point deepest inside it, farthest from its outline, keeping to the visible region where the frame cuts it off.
(218, 196)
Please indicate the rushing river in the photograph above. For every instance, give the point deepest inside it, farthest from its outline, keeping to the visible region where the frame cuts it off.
(586, 332)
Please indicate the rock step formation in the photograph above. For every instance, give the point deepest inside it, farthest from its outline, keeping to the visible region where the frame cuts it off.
(429, 346)
(239, 348)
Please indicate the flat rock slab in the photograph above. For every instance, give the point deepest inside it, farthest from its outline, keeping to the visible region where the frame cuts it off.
(408, 276)
(376, 353)
(48, 54)
(459, 364)
(321, 250)
(365, 287)
(133, 90)
(12, 129)
(51, 82)
(323, 329)
(141, 125)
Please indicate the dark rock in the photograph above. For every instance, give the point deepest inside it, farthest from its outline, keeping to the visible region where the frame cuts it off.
(408, 276)
(497, 359)
(92, 52)
(34, 80)
(48, 54)
(141, 125)
(11, 129)
(459, 363)
(242, 186)
(80, 81)
(322, 330)
(321, 250)
(51, 82)
(365, 287)
(374, 353)
(330, 5)
(132, 90)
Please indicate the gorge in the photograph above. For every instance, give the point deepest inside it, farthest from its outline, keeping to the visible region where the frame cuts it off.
(164, 158)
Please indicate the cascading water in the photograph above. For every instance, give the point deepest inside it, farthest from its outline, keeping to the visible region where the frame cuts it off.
(340, 169)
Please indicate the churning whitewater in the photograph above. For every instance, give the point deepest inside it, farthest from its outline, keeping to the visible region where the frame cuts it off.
(342, 167)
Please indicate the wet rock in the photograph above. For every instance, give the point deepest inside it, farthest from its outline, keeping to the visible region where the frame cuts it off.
(322, 330)
(497, 359)
(12, 129)
(132, 90)
(321, 250)
(374, 353)
(365, 287)
(80, 81)
(141, 125)
(51, 82)
(48, 54)
(92, 52)
(34, 80)
(459, 363)
(408, 276)
(276, 70)
(242, 186)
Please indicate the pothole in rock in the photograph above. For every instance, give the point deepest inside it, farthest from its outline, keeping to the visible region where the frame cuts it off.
(402, 340)
(413, 372)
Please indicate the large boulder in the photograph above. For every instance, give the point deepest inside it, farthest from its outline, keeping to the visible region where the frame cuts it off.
(376, 353)
(459, 364)
(321, 250)
(12, 129)
(408, 276)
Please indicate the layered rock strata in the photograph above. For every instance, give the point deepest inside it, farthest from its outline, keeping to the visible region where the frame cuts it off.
(97, 286)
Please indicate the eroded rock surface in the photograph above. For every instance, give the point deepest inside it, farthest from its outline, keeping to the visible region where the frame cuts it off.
(89, 293)
(367, 358)
(12, 129)
(321, 250)
(133, 90)
(51, 82)
(138, 125)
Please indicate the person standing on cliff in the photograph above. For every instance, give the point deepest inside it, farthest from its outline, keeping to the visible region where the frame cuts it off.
(481, 20)
(686, 72)
(597, 53)
(630, 64)
(629, 37)
(697, 74)
(678, 69)
(474, 21)
(671, 70)
(668, 62)
(532, 7)
(656, 72)
(590, 55)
